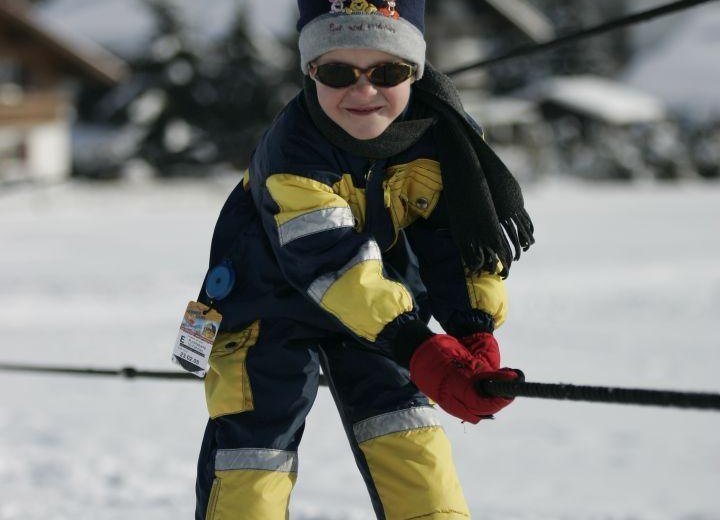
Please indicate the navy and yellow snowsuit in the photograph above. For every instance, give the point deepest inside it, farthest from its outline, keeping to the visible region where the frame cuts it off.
(334, 256)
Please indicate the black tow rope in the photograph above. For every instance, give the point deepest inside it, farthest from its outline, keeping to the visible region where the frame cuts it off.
(596, 394)
(581, 34)
(601, 394)
(126, 372)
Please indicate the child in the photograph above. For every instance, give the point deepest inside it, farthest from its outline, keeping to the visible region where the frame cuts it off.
(371, 203)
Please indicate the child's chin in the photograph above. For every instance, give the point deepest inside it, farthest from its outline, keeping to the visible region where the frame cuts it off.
(366, 132)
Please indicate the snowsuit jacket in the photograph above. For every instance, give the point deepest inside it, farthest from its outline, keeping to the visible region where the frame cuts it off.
(337, 245)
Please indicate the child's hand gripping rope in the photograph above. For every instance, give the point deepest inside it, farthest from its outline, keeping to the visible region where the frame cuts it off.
(447, 372)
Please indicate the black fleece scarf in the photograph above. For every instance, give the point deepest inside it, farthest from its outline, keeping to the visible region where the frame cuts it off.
(485, 203)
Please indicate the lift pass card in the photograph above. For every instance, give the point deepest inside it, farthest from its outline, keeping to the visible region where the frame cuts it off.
(197, 334)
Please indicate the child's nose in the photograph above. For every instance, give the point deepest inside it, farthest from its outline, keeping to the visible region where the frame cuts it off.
(364, 87)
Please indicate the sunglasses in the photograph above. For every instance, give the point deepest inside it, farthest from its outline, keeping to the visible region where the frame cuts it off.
(341, 75)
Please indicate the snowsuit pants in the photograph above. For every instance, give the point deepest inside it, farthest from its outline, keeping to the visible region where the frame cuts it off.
(260, 389)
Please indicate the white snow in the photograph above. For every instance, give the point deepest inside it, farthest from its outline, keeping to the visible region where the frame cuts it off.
(622, 288)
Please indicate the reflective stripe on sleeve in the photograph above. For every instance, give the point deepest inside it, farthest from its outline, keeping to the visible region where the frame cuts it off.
(315, 222)
(255, 458)
(392, 422)
(368, 251)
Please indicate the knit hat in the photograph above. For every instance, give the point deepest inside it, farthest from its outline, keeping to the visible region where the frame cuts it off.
(396, 27)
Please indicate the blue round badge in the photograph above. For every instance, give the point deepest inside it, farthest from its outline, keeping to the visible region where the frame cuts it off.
(220, 281)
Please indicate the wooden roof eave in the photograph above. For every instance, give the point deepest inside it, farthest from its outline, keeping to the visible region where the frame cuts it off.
(92, 60)
(528, 19)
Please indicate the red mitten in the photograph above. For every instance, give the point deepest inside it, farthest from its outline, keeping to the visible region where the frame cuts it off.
(483, 346)
(445, 371)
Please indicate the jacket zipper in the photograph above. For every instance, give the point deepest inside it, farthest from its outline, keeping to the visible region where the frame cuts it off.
(368, 175)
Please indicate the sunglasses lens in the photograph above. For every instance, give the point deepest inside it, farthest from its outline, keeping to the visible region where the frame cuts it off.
(391, 74)
(336, 75)
(341, 75)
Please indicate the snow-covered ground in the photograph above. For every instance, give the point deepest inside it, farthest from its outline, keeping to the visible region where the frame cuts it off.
(622, 288)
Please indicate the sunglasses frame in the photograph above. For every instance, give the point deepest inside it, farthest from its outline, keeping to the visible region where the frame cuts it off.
(412, 70)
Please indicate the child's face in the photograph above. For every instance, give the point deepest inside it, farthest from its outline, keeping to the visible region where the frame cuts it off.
(362, 110)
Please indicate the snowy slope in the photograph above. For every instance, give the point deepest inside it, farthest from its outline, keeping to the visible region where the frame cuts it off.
(623, 288)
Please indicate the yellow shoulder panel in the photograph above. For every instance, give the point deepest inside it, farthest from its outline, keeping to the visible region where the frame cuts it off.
(297, 195)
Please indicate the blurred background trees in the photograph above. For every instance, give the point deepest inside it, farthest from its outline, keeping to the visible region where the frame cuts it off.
(192, 106)
(207, 79)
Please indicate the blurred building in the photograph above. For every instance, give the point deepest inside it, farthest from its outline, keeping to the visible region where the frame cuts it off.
(40, 72)
(610, 130)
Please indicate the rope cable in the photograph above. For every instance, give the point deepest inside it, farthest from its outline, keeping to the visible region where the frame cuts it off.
(124, 372)
(617, 23)
(602, 394)
(665, 398)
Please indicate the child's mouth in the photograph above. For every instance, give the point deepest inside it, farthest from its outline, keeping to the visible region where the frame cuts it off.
(363, 111)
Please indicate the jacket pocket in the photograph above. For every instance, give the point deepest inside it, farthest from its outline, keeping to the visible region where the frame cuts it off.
(227, 385)
(413, 191)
